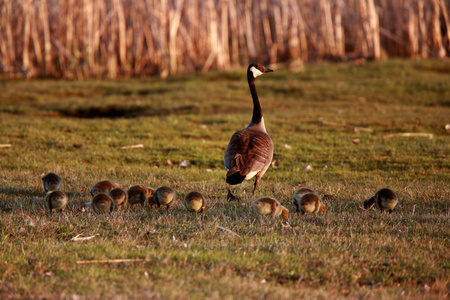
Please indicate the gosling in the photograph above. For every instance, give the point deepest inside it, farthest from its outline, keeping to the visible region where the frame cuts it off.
(310, 203)
(299, 194)
(102, 203)
(270, 206)
(56, 200)
(164, 196)
(139, 194)
(385, 199)
(104, 186)
(51, 181)
(119, 196)
(195, 202)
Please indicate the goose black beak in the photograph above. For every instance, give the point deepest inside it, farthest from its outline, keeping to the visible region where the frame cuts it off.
(267, 70)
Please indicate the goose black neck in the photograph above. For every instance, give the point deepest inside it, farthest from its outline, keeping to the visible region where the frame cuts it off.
(257, 112)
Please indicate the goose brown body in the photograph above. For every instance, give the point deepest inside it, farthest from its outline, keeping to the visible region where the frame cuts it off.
(51, 182)
(119, 197)
(139, 194)
(299, 194)
(104, 186)
(195, 202)
(56, 200)
(250, 150)
(164, 196)
(385, 199)
(102, 203)
(311, 203)
(270, 206)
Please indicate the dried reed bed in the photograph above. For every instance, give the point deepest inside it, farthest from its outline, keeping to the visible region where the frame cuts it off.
(97, 38)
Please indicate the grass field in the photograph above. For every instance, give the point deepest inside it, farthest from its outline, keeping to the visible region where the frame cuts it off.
(335, 118)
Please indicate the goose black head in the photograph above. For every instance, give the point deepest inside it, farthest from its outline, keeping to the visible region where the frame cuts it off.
(255, 70)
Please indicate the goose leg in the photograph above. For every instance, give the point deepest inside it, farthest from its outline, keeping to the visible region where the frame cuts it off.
(254, 187)
(230, 196)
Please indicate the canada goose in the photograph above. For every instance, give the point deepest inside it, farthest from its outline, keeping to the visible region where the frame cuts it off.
(104, 186)
(384, 199)
(270, 206)
(119, 196)
(250, 150)
(195, 202)
(139, 194)
(56, 200)
(102, 203)
(51, 181)
(311, 203)
(164, 196)
(299, 194)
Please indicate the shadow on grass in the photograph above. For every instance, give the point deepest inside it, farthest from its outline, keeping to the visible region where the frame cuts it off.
(28, 199)
(118, 111)
(24, 192)
(115, 111)
(20, 191)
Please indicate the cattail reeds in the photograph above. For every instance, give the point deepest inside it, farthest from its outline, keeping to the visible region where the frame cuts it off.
(124, 38)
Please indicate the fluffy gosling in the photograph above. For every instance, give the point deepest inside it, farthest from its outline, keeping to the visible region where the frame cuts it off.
(139, 194)
(311, 203)
(164, 196)
(51, 182)
(104, 186)
(299, 194)
(56, 200)
(102, 203)
(385, 199)
(119, 196)
(195, 202)
(270, 206)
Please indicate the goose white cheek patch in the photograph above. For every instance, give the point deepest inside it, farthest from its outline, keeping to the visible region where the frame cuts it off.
(256, 72)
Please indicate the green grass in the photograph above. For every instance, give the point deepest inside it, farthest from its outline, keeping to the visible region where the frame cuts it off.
(347, 252)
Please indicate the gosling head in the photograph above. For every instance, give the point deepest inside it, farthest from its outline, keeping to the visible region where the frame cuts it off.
(369, 203)
(285, 214)
(149, 191)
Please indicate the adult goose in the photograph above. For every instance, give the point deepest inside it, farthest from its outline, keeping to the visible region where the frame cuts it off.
(250, 150)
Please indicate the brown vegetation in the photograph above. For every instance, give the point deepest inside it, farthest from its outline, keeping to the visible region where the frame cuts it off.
(96, 38)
